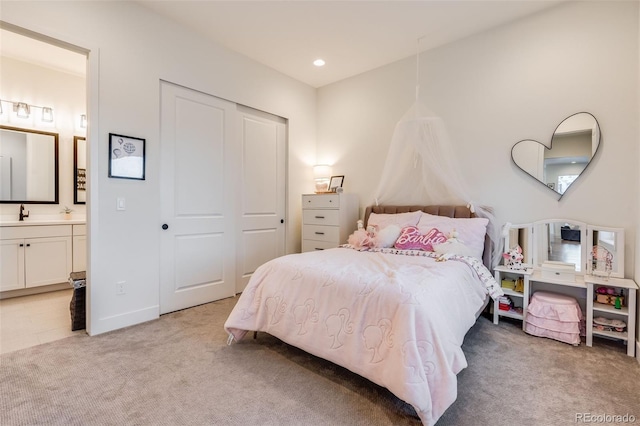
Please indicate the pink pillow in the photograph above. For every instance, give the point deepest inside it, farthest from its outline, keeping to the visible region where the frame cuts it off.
(412, 239)
(471, 231)
(382, 220)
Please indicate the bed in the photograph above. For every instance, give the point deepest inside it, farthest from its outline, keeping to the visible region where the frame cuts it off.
(396, 317)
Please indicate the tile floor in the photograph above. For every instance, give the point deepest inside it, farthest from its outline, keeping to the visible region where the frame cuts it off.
(32, 320)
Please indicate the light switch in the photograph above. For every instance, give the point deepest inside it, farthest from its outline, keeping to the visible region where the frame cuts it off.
(120, 204)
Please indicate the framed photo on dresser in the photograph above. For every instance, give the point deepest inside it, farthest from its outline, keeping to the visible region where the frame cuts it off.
(336, 182)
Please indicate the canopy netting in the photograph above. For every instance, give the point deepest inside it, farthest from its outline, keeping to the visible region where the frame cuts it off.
(422, 169)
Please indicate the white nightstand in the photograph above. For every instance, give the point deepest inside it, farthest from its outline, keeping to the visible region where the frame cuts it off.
(501, 272)
(328, 220)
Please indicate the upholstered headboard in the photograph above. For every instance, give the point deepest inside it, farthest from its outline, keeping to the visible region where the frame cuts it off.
(448, 211)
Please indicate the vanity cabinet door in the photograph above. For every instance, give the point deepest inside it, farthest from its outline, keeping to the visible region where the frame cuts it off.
(79, 253)
(47, 261)
(11, 264)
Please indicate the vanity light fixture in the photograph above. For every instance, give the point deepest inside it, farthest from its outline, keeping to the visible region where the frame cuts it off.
(318, 62)
(83, 121)
(47, 114)
(22, 110)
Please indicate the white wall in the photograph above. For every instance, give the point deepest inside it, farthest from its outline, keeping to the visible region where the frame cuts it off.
(132, 49)
(66, 94)
(516, 82)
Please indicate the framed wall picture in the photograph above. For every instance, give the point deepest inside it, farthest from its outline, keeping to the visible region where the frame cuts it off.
(335, 182)
(126, 157)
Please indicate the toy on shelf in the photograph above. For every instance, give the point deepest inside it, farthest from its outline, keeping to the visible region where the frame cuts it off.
(610, 296)
(513, 259)
(519, 285)
(508, 283)
(607, 324)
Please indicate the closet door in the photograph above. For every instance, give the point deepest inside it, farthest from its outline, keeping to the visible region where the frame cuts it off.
(261, 196)
(199, 180)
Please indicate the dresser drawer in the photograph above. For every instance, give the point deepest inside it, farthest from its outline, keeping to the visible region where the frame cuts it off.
(321, 217)
(321, 201)
(321, 233)
(311, 245)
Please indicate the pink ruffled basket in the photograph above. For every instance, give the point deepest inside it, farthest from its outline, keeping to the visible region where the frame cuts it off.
(555, 316)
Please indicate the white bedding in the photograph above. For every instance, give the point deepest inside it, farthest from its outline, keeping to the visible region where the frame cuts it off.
(397, 318)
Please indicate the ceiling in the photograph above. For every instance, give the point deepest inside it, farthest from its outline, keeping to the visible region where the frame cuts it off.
(351, 36)
(37, 52)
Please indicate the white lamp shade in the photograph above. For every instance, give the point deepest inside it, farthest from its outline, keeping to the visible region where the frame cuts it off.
(321, 171)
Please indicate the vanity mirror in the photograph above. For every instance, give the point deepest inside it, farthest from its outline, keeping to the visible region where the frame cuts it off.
(605, 251)
(79, 170)
(560, 241)
(520, 235)
(28, 166)
(559, 163)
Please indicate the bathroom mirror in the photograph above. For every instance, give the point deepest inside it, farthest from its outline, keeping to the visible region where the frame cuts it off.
(605, 251)
(520, 235)
(28, 166)
(79, 170)
(561, 241)
(558, 163)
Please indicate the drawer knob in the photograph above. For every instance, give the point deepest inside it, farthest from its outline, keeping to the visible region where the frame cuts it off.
(319, 233)
(319, 248)
(319, 217)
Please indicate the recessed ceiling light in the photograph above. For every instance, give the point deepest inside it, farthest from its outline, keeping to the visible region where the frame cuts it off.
(318, 62)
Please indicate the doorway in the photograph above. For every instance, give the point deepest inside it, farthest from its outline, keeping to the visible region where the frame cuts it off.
(51, 79)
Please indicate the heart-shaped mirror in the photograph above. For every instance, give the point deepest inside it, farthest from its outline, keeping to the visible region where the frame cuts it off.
(573, 144)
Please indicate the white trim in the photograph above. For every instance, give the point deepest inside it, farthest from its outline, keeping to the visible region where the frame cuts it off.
(93, 85)
(638, 351)
(103, 325)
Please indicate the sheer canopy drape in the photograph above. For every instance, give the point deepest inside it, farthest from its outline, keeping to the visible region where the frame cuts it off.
(422, 168)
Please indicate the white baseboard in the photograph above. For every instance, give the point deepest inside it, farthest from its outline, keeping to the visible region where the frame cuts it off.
(115, 322)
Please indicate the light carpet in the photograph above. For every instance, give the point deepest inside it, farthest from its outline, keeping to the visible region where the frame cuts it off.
(178, 370)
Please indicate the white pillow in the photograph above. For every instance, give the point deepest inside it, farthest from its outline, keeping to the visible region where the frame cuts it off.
(471, 231)
(387, 236)
(455, 247)
(402, 220)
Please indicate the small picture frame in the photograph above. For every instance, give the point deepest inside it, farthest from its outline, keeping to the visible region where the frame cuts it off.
(126, 157)
(335, 182)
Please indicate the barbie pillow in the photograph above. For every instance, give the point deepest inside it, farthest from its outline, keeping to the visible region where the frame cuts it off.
(471, 231)
(412, 239)
(382, 220)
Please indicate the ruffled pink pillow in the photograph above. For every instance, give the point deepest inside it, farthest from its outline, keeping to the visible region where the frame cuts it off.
(412, 239)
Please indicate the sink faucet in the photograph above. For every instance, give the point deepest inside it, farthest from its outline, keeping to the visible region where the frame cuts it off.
(22, 215)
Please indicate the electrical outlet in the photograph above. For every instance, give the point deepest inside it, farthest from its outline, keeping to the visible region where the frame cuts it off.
(120, 287)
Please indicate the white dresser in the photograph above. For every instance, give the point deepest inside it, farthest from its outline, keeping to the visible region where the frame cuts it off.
(328, 220)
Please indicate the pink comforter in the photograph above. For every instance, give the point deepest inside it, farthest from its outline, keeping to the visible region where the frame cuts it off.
(397, 320)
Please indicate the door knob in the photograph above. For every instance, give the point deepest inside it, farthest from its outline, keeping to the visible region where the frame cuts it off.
(165, 226)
